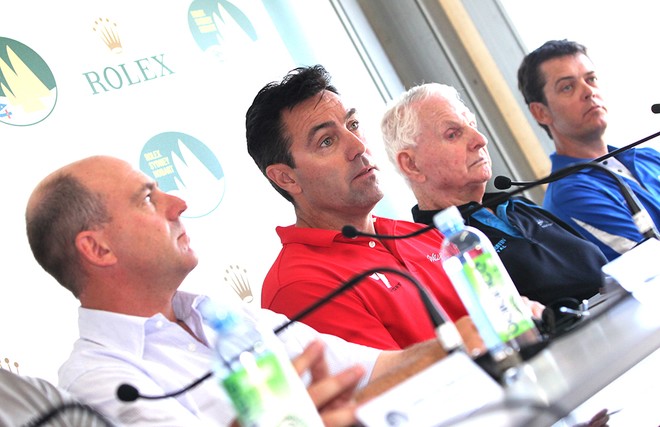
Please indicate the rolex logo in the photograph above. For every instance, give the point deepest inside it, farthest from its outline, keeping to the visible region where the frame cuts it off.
(238, 279)
(9, 366)
(107, 30)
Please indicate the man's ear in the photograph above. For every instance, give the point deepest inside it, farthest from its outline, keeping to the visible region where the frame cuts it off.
(407, 165)
(284, 177)
(92, 247)
(540, 112)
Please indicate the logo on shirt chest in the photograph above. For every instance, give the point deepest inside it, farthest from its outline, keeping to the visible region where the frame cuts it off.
(500, 246)
(380, 277)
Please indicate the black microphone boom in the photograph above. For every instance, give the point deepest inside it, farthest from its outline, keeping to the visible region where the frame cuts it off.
(128, 393)
(445, 330)
(640, 216)
(350, 232)
(505, 183)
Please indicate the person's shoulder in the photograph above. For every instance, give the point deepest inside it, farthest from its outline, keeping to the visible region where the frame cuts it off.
(648, 153)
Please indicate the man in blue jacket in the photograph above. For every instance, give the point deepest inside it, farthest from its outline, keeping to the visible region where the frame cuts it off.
(560, 87)
(432, 138)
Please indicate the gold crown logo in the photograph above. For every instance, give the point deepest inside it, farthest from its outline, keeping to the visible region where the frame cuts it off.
(107, 30)
(239, 282)
(15, 364)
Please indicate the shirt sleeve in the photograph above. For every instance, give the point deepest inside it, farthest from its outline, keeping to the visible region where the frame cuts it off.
(340, 354)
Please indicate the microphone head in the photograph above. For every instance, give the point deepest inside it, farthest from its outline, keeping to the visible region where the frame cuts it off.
(127, 393)
(349, 231)
(502, 182)
(655, 108)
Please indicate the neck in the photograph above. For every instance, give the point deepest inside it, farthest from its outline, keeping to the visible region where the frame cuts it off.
(581, 149)
(436, 200)
(361, 221)
(116, 297)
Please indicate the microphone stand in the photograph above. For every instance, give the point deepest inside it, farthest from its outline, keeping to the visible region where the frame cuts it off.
(625, 148)
(445, 331)
(640, 217)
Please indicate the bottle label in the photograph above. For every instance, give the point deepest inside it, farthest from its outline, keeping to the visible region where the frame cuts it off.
(500, 299)
(261, 393)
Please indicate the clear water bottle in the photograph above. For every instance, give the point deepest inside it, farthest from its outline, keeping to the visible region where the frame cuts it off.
(498, 311)
(257, 374)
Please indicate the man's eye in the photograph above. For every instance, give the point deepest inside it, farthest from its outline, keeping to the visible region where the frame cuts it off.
(326, 142)
(354, 125)
(453, 135)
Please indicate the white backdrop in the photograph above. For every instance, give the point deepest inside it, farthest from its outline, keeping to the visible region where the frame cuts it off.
(171, 99)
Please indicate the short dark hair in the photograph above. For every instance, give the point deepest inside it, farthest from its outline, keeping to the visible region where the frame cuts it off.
(267, 141)
(65, 208)
(530, 79)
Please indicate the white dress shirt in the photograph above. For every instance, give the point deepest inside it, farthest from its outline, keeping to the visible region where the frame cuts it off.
(158, 356)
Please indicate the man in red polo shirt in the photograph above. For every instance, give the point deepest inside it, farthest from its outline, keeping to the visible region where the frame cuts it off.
(310, 147)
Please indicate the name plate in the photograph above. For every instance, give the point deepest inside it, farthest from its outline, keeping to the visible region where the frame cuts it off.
(638, 271)
(453, 389)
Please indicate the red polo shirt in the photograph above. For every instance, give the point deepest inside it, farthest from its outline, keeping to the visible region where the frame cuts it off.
(384, 310)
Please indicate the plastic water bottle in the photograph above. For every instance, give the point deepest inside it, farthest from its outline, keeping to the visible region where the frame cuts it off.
(257, 374)
(498, 311)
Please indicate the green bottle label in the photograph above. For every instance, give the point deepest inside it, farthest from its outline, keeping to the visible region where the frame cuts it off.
(500, 300)
(260, 392)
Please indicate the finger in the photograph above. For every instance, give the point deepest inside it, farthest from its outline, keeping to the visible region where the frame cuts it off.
(311, 359)
(339, 387)
(600, 419)
(340, 417)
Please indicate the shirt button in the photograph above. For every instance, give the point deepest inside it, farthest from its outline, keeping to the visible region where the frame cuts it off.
(372, 244)
(192, 347)
(159, 324)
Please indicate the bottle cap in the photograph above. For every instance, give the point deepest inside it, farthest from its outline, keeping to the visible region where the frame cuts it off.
(218, 317)
(449, 220)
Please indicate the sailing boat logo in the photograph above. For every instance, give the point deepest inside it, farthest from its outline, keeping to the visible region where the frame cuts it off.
(183, 166)
(220, 28)
(27, 87)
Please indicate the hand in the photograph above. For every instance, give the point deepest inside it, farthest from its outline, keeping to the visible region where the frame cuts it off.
(536, 307)
(332, 395)
(472, 341)
(599, 420)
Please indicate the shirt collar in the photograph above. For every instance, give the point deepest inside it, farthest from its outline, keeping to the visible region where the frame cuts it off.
(325, 238)
(130, 332)
(560, 161)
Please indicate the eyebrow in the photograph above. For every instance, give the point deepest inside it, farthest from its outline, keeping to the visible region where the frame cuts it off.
(350, 113)
(148, 186)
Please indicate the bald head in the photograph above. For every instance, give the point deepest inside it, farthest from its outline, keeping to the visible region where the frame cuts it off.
(106, 232)
(62, 205)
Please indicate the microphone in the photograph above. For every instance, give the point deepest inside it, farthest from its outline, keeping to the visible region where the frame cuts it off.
(504, 183)
(129, 393)
(446, 332)
(655, 108)
(351, 232)
(640, 216)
